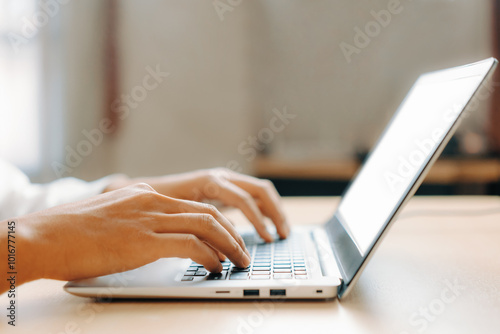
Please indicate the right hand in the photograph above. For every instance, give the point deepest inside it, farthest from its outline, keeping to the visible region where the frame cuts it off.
(122, 230)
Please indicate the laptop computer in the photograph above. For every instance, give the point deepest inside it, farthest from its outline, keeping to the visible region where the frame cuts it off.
(325, 261)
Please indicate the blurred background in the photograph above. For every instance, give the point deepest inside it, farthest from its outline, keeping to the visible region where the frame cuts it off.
(293, 90)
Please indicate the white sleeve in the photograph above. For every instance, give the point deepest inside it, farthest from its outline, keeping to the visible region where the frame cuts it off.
(18, 196)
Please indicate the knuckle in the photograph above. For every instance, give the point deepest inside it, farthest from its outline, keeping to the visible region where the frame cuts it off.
(180, 206)
(144, 186)
(221, 172)
(240, 240)
(267, 184)
(191, 241)
(147, 237)
(235, 248)
(209, 223)
(210, 209)
(148, 197)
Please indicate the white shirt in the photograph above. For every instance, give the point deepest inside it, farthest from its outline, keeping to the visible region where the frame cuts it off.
(18, 196)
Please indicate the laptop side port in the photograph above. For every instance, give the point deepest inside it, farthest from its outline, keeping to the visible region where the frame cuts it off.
(251, 293)
(277, 292)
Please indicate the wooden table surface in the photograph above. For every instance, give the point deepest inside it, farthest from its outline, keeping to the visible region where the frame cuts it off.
(444, 171)
(438, 271)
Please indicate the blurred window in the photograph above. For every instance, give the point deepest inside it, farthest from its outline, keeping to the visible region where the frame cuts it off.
(20, 59)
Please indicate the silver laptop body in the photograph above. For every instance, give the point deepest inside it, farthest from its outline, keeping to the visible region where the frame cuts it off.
(325, 261)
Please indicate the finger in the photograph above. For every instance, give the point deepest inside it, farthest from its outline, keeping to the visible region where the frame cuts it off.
(206, 228)
(187, 246)
(232, 195)
(285, 232)
(212, 210)
(197, 207)
(268, 198)
(221, 256)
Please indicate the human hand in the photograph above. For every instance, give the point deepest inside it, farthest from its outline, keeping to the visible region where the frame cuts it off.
(123, 230)
(255, 197)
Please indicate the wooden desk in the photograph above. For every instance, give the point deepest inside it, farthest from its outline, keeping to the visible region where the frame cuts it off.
(444, 171)
(425, 252)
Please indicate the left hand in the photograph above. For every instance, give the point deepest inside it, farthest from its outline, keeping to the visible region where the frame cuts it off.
(255, 197)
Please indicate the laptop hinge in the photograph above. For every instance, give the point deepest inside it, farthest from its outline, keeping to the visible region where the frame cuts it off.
(328, 232)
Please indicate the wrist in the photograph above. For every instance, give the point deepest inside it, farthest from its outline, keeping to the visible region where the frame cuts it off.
(20, 257)
(16, 255)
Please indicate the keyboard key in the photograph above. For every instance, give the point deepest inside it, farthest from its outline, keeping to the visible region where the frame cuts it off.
(194, 264)
(261, 268)
(282, 276)
(240, 270)
(300, 273)
(282, 270)
(239, 276)
(265, 266)
(217, 277)
(262, 263)
(192, 269)
(262, 260)
(281, 266)
(201, 272)
(267, 272)
(260, 277)
(187, 278)
(189, 273)
(301, 277)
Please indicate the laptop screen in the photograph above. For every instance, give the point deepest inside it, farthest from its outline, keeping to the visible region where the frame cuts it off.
(411, 142)
(424, 119)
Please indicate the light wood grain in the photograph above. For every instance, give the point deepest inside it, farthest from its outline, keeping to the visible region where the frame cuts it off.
(436, 240)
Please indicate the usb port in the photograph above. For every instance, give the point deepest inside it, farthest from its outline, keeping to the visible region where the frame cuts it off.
(250, 293)
(277, 292)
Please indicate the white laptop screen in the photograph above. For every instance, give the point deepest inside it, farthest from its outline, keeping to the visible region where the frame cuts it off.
(424, 118)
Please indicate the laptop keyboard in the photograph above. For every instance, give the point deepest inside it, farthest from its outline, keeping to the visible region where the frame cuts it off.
(281, 259)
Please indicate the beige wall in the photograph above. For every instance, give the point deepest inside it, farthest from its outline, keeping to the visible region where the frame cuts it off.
(343, 106)
(197, 116)
(226, 76)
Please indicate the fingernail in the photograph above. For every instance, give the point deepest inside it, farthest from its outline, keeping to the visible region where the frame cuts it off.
(247, 262)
